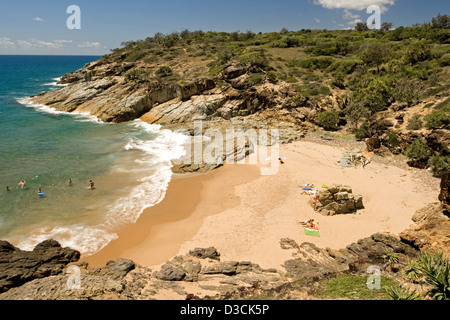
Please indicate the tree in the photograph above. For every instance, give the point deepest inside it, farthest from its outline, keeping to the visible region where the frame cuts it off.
(355, 113)
(386, 26)
(441, 21)
(361, 26)
(284, 31)
(376, 54)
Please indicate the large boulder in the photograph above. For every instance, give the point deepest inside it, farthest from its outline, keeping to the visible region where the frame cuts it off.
(337, 199)
(17, 267)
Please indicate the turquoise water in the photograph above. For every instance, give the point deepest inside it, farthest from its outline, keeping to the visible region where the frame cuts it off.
(129, 163)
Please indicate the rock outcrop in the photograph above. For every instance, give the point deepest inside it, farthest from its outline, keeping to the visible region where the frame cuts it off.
(201, 274)
(444, 194)
(198, 273)
(18, 267)
(431, 230)
(337, 199)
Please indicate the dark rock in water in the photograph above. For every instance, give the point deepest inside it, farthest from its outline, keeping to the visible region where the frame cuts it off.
(17, 267)
(208, 253)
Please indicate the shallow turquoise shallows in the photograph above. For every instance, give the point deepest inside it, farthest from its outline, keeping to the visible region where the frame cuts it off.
(129, 163)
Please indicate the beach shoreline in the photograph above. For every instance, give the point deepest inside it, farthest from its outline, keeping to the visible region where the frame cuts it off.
(244, 215)
(163, 228)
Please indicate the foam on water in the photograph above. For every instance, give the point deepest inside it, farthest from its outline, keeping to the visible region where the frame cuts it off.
(152, 167)
(79, 116)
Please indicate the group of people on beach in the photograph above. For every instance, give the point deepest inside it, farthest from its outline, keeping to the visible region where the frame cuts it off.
(39, 192)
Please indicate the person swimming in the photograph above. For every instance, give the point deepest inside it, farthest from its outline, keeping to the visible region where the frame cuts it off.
(8, 189)
(22, 184)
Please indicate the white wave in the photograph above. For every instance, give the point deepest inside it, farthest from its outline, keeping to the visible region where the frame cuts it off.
(86, 240)
(81, 116)
(55, 84)
(158, 154)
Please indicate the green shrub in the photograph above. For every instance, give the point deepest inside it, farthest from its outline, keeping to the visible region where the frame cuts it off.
(363, 131)
(136, 75)
(393, 140)
(313, 63)
(415, 123)
(254, 60)
(355, 112)
(438, 118)
(164, 71)
(329, 120)
(418, 150)
(439, 165)
(435, 267)
(272, 76)
(399, 293)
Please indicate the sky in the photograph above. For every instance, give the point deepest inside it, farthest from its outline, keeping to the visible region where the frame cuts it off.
(48, 27)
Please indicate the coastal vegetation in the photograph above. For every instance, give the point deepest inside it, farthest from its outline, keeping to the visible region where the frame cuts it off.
(340, 80)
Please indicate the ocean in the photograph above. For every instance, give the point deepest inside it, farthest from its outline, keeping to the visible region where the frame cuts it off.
(130, 163)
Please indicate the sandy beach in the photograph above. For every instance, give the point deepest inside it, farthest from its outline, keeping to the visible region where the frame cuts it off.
(244, 215)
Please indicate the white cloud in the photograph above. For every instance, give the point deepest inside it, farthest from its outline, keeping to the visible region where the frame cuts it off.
(355, 4)
(38, 19)
(6, 42)
(317, 20)
(349, 15)
(62, 41)
(89, 44)
(354, 22)
(24, 43)
(35, 43)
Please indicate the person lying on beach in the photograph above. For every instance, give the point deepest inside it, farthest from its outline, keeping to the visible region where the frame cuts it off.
(281, 160)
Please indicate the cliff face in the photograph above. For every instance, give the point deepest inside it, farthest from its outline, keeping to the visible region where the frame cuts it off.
(105, 91)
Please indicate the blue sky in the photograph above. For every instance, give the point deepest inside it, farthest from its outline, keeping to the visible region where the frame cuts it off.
(39, 26)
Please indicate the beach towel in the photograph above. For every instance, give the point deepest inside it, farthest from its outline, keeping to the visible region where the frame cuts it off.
(312, 232)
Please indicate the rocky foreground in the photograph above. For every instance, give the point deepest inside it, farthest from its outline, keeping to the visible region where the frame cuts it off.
(47, 272)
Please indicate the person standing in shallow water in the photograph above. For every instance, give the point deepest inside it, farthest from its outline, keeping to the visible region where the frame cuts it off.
(70, 182)
(91, 184)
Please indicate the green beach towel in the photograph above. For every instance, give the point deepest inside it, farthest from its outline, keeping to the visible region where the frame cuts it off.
(312, 232)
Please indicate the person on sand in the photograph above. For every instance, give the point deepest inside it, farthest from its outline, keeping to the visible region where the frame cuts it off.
(281, 160)
(91, 184)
